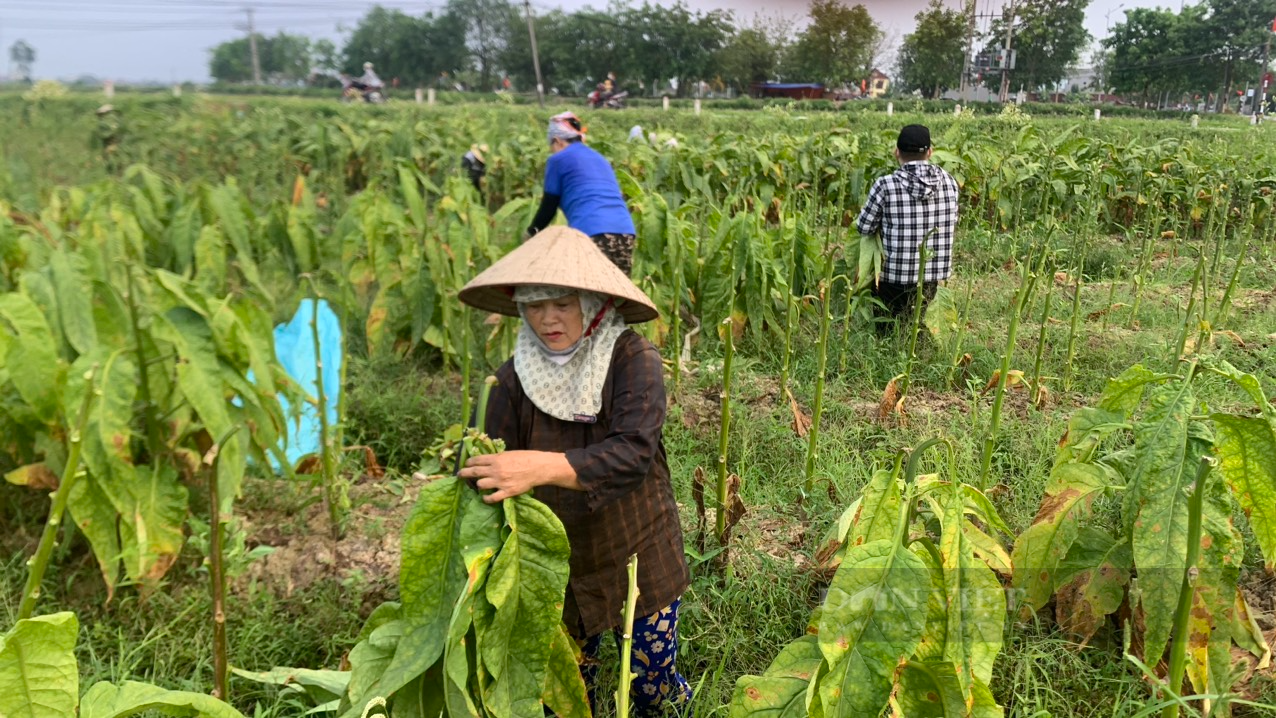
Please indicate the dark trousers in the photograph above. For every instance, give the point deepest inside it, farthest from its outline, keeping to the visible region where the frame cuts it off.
(898, 299)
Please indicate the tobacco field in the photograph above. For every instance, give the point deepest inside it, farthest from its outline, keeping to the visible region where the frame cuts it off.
(1052, 496)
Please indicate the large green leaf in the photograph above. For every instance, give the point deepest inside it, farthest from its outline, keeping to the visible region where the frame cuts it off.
(75, 300)
(369, 659)
(1038, 551)
(1123, 394)
(32, 360)
(38, 673)
(95, 516)
(781, 692)
(932, 690)
(431, 572)
(873, 619)
(1091, 582)
(565, 693)
(526, 587)
(1246, 451)
(975, 601)
(320, 686)
(151, 534)
(199, 378)
(106, 700)
(879, 510)
(1156, 499)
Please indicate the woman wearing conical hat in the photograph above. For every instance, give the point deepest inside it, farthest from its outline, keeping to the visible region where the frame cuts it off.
(581, 407)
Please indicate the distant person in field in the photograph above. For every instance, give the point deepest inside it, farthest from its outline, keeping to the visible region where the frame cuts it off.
(475, 165)
(107, 137)
(583, 184)
(914, 204)
(581, 408)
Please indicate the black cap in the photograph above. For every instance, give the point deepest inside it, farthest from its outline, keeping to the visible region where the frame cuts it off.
(913, 139)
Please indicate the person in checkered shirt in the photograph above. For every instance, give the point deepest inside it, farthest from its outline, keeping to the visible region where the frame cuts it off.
(914, 204)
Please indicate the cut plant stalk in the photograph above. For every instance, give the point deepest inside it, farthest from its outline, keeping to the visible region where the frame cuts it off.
(728, 353)
(627, 641)
(994, 424)
(334, 490)
(923, 251)
(1041, 340)
(822, 350)
(1225, 304)
(465, 342)
(217, 573)
(953, 363)
(1178, 647)
(1191, 311)
(1074, 327)
(674, 240)
(71, 473)
(787, 357)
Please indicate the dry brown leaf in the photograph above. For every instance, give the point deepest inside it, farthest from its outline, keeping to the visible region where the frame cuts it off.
(33, 476)
(890, 399)
(1236, 338)
(801, 423)
(1041, 396)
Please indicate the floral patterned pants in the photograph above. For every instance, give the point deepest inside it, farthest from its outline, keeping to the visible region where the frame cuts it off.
(619, 248)
(657, 683)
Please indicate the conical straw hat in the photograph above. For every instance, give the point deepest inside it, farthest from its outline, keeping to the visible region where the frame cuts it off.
(560, 257)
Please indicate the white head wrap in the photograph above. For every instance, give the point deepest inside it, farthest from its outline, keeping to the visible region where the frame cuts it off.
(560, 127)
(567, 384)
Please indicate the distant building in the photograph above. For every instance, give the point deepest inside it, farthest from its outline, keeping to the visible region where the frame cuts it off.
(878, 83)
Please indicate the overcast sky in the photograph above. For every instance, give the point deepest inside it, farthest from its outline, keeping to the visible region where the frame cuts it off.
(169, 40)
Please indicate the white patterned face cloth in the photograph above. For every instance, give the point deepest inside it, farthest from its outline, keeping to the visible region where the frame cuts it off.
(567, 384)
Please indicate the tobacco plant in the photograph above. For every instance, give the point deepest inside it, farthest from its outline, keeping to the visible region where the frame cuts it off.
(1090, 567)
(478, 629)
(40, 678)
(914, 617)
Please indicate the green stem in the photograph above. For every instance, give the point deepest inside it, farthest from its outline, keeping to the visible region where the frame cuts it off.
(217, 577)
(1191, 311)
(961, 333)
(817, 409)
(1074, 328)
(466, 402)
(480, 422)
(728, 353)
(923, 252)
(675, 322)
(994, 426)
(1041, 336)
(627, 642)
(787, 357)
(1225, 304)
(334, 494)
(1178, 648)
(39, 563)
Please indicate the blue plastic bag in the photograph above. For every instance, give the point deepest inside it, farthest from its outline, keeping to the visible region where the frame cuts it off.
(295, 349)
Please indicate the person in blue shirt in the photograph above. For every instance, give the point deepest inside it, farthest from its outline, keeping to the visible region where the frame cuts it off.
(582, 183)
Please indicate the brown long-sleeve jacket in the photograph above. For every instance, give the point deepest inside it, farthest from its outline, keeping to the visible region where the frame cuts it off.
(627, 505)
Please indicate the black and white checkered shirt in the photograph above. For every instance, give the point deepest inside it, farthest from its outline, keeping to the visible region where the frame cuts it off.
(914, 203)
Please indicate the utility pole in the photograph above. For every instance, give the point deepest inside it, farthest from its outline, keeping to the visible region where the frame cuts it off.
(970, 49)
(1004, 95)
(252, 48)
(536, 58)
(1260, 93)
